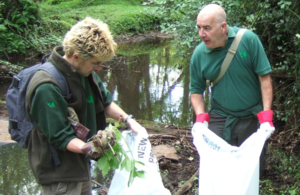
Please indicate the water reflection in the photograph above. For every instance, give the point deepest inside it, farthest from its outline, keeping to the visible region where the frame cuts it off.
(152, 86)
(16, 176)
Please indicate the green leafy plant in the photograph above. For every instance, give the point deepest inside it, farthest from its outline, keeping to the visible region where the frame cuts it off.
(15, 18)
(178, 147)
(118, 157)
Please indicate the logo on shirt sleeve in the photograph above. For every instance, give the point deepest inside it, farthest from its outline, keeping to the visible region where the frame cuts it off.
(51, 104)
(90, 99)
(243, 54)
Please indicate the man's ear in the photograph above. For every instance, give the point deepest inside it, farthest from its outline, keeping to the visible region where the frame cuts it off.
(224, 27)
(75, 56)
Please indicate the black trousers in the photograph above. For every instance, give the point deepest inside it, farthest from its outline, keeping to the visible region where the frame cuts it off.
(243, 129)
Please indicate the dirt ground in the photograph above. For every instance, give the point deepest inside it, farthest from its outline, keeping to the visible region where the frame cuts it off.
(176, 174)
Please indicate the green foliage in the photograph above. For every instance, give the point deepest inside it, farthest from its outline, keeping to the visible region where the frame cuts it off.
(29, 26)
(124, 17)
(134, 23)
(287, 169)
(55, 2)
(14, 69)
(118, 157)
(41, 41)
(178, 17)
(15, 18)
(74, 4)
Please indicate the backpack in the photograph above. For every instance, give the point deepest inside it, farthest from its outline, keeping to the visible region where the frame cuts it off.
(20, 124)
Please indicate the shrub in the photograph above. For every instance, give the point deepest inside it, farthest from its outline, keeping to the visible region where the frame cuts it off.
(134, 23)
(17, 18)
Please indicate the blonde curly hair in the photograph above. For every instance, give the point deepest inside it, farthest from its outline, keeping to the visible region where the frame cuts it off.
(90, 38)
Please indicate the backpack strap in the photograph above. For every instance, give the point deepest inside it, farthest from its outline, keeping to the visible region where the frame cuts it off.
(230, 54)
(58, 76)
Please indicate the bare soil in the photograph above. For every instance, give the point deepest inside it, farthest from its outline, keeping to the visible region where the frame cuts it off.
(176, 174)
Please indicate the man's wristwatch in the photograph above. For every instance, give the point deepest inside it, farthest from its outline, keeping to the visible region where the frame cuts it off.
(129, 116)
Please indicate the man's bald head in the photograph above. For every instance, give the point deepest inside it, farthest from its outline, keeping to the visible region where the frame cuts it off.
(211, 22)
(215, 11)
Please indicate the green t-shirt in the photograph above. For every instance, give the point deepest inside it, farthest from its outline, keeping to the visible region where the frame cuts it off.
(50, 111)
(239, 88)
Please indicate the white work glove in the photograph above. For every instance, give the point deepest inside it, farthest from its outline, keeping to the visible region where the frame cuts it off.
(201, 122)
(266, 123)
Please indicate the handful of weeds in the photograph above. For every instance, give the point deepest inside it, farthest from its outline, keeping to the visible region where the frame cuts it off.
(117, 157)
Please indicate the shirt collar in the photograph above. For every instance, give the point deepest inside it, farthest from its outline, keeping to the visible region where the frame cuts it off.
(231, 34)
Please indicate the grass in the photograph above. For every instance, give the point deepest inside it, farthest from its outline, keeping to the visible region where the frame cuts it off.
(123, 16)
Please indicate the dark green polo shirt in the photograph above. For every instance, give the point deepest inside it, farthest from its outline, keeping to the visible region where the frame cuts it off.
(239, 88)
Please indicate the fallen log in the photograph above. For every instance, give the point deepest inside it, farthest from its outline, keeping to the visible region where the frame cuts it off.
(185, 187)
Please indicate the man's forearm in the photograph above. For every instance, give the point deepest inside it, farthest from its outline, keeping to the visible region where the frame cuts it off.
(198, 103)
(115, 112)
(266, 91)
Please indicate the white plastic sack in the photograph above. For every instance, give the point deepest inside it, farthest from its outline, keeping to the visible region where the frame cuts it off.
(152, 184)
(226, 169)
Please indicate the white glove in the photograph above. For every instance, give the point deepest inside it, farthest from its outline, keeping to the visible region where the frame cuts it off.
(266, 129)
(200, 123)
(266, 123)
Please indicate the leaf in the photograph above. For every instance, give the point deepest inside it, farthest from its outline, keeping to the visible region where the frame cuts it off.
(114, 163)
(191, 158)
(102, 162)
(117, 124)
(118, 136)
(105, 170)
(127, 164)
(140, 174)
(139, 162)
(2, 27)
(103, 165)
(123, 163)
(130, 180)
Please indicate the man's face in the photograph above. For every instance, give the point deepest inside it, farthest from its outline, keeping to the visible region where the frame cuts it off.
(86, 67)
(213, 34)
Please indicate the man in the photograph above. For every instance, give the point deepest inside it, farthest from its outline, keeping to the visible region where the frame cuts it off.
(244, 91)
(57, 153)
